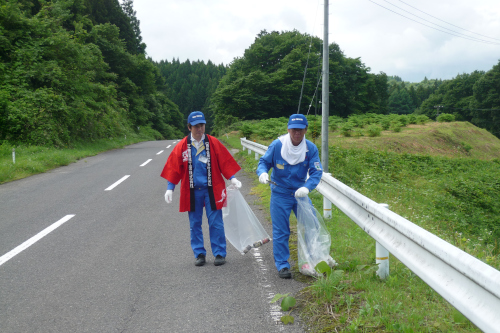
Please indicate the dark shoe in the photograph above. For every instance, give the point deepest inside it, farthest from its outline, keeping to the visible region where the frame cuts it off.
(200, 261)
(219, 260)
(285, 273)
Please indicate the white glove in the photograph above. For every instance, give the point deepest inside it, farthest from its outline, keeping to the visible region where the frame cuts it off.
(168, 196)
(302, 192)
(236, 183)
(264, 178)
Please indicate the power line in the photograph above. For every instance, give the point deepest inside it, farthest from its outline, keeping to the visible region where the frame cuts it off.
(469, 38)
(307, 63)
(469, 109)
(438, 24)
(472, 32)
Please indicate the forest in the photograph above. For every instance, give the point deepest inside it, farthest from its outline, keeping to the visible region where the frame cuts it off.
(78, 70)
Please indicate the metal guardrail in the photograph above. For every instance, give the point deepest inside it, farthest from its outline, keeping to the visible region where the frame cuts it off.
(467, 283)
(253, 146)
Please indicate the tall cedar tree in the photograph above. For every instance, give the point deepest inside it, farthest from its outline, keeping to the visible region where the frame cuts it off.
(191, 84)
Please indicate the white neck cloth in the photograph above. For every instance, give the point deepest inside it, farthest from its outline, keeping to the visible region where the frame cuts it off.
(290, 153)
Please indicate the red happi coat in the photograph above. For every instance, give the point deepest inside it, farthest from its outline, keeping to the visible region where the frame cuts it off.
(222, 164)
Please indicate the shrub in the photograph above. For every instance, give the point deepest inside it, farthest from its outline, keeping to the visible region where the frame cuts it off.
(314, 129)
(445, 117)
(422, 119)
(403, 119)
(272, 128)
(467, 147)
(395, 126)
(355, 120)
(335, 119)
(333, 126)
(334, 122)
(346, 129)
(5, 148)
(385, 123)
(369, 118)
(357, 132)
(374, 130)
(412, 119)
(246, 130)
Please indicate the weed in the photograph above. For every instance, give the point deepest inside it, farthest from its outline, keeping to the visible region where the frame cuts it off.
(374, 130)
(287, 303)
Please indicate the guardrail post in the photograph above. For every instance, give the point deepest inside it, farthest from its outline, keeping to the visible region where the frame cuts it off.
(256, 156)
(242, 146)
(249, 151)
(382, 257)
(327, 206)
(14, 155)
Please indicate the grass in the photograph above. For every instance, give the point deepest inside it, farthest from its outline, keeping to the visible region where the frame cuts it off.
(31, 160)
(362, 302)
(443, 177)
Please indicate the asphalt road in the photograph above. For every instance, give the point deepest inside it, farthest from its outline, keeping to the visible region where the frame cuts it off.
(118, 259)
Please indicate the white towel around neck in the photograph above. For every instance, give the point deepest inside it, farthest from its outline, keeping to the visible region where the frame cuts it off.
(290, 153)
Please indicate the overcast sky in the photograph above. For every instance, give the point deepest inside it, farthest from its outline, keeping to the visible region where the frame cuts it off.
(221, 30)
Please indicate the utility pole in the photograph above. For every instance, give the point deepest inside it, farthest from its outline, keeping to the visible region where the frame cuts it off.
(325, 90)
(437, 112)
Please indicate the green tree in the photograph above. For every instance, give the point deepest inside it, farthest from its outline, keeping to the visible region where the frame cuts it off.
(486, 106)
(453, 96)
(123, 17)
(400, 102)
(413, 95)
(191, 84)
(430, 107)
(267, 81)
(49, 100)
(136, 44)
(62, 78)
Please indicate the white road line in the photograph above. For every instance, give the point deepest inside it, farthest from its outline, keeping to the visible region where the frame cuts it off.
(158, 153)
(9, 255)
(117, 183)
(168, 146)
(143, 164)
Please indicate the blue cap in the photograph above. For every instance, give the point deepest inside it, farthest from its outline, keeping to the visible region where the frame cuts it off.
(297, 121)
(196, 117)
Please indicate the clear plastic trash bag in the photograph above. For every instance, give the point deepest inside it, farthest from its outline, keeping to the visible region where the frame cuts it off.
(243, 229)
(313, 239)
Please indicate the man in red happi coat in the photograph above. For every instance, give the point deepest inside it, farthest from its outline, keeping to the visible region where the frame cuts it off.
(199, 162)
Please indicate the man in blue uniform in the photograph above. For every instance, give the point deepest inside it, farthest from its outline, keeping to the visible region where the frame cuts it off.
(291, 156)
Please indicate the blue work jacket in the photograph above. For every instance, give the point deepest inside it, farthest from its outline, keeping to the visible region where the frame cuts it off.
(289, 178)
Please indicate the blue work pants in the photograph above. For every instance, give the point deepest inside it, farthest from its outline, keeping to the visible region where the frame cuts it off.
(215, 226)
(281, 208)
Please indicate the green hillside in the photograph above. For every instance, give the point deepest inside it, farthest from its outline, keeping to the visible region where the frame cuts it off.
(454, 140)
